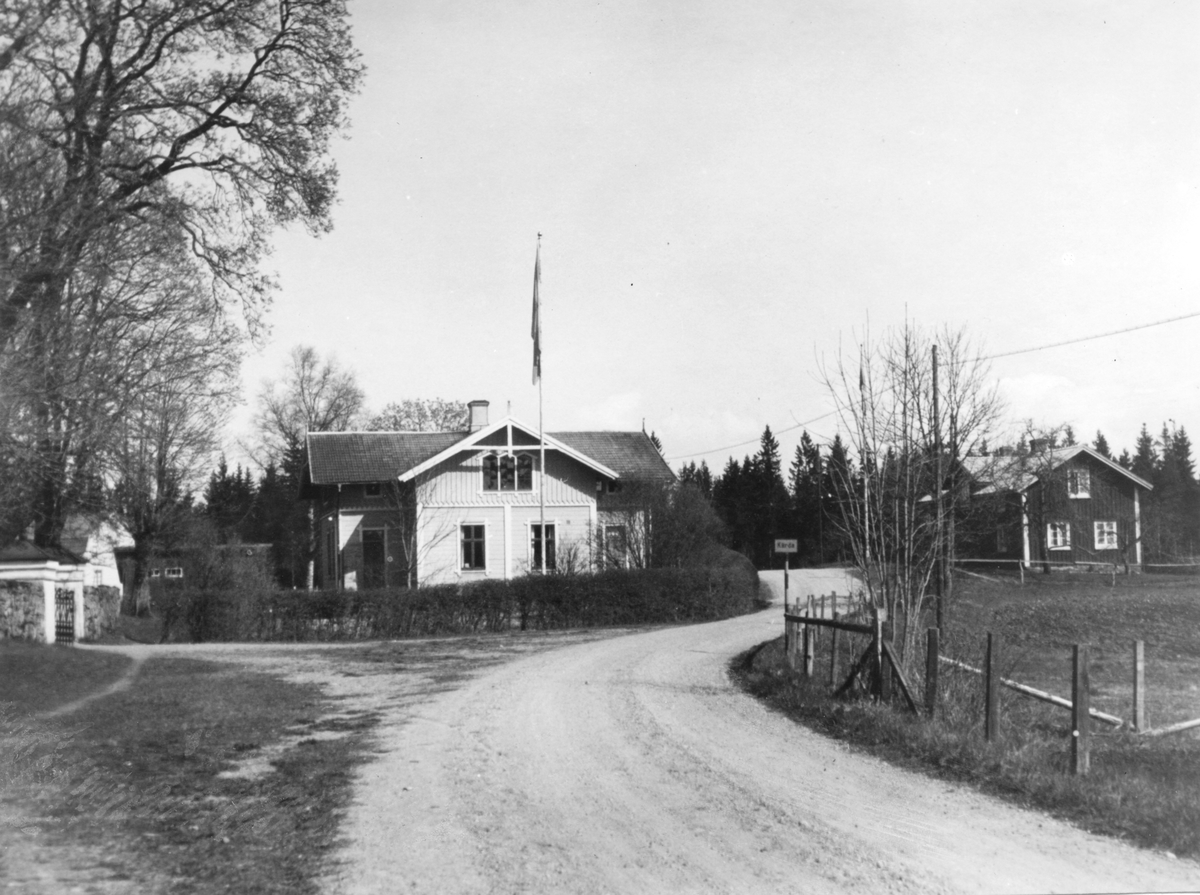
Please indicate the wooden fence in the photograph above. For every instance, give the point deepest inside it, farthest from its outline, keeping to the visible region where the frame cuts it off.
(877, 669)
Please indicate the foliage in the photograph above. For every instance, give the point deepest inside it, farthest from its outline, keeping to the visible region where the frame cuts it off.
(420, 415)
(146, 151)
(540, 602)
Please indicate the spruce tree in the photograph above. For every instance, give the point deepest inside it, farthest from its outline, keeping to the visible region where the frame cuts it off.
(1101, 444)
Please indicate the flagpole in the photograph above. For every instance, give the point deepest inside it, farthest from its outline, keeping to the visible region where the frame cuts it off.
(537, 372)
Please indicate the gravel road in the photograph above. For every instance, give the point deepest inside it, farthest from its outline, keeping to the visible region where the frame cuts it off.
(634, 765)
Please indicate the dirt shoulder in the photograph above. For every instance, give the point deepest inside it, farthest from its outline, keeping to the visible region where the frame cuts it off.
(634, 764)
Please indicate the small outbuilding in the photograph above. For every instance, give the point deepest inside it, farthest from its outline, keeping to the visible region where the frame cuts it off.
(41, 593)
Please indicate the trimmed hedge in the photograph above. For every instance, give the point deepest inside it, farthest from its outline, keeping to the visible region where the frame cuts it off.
(533, 602)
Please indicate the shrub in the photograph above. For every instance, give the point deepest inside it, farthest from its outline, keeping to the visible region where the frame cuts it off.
(537, 602)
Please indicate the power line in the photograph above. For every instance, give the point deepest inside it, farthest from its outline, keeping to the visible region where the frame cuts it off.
(1092, 338)
(1115, 332)
(730, 447)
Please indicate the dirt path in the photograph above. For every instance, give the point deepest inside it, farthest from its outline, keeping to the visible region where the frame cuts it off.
(634, 765)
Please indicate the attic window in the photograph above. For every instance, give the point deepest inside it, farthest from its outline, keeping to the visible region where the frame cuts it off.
(504, 472)
(1079, 483)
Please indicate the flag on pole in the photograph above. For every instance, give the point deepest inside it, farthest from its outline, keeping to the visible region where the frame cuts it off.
(536, 330)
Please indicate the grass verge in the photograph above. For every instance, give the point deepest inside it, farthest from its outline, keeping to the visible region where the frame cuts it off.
(141, 778)
(1144, 790)
(37, 678)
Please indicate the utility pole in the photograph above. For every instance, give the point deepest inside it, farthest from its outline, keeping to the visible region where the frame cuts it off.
(939, 560)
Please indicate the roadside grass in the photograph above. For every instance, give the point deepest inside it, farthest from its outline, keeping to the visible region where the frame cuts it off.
(37, 678)
(137, 776)
(1146, 790)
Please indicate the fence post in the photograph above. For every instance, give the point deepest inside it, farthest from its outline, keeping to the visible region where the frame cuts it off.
(833, 653)
(932, 649)
(812, 612)
(1079, 710)
(877, 647)
(1139, 685)
(808, 643)
(991, 722)
(790, 639)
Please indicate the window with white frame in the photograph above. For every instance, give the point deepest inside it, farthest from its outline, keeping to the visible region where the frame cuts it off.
(1058, 535)
(1106, 535)
(1079, 483)
(506, 472)
(536, 546)
(174, 572)
(474, 547)
(156, 573)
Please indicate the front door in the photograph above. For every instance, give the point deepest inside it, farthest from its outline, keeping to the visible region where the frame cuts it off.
(374, 558)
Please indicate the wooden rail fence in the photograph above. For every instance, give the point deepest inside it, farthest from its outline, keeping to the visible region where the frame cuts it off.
(877, 668)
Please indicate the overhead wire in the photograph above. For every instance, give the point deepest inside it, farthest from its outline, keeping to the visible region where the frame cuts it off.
(1092, 338)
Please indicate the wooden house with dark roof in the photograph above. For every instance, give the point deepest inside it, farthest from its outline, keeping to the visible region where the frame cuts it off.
(400, 509)
(1059, 506)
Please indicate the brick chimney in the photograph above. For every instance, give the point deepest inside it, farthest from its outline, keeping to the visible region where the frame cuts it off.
(478, 415)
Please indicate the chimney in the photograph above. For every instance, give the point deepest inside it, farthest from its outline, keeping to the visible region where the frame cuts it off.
(478, 415)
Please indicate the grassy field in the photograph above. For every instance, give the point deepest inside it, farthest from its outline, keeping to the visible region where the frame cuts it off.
(129, 788)
(1143, 789)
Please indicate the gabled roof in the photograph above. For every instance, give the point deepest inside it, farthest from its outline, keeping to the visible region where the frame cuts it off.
(357, 457)
(632, 454)
(27, 552)
(1018, 472)
(348, 457)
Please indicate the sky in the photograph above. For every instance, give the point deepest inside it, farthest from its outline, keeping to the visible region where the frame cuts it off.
(730, 194)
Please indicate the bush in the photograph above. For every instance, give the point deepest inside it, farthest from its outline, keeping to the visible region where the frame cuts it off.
(536, 602)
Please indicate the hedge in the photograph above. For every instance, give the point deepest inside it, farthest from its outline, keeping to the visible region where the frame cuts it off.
(533, 602)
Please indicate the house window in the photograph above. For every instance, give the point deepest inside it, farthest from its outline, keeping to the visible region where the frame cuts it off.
(1106, 535)
(174, 572)
(1058, 535)
(616, 546)
(374, 489)
(504, 472)
(474, 555)
(535, 546)
(156, 573)
(1079, 483)
(98, 577)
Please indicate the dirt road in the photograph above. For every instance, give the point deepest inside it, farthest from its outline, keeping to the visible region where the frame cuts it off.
(634, 765)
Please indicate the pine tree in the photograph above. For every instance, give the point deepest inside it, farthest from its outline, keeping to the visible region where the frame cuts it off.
(1145, 459)
(1101, 445)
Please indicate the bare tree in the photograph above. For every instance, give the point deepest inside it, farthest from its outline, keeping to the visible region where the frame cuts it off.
(420, 415)
(169, 439)
(314, 395)
(404, 500)
(885, 401)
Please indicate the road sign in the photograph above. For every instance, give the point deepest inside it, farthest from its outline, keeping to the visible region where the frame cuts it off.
(785, 545)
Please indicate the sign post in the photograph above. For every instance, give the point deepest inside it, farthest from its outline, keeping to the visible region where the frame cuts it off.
(786, 546)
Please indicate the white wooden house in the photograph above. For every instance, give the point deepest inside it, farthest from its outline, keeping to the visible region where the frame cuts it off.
(408, 508)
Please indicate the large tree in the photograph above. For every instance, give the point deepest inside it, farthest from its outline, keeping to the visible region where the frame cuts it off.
(420, 415)
(145, 148)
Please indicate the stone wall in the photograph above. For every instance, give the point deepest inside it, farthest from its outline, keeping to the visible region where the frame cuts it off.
(101, 607)
(22, 610)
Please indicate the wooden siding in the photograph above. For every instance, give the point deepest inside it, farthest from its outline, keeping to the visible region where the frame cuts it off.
(1110, 499)
(458, 482)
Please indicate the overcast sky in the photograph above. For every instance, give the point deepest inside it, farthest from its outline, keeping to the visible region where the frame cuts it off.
(727, 190)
